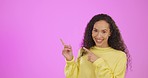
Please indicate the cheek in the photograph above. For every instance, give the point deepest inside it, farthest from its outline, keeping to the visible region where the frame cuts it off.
(93, 37)
(93, 34)
(106, 36)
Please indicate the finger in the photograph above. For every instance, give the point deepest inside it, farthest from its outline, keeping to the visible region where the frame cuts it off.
(69, 46)
(66, 46)
(87, 50)
(62, 42)
(89, 59)
(66, 50)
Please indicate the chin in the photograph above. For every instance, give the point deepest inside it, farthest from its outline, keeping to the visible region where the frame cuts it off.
(99, 45)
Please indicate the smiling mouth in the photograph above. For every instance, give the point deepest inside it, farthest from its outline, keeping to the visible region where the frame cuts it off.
(98, 40)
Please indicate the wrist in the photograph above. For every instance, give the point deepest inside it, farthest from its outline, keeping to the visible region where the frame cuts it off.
(69, 59)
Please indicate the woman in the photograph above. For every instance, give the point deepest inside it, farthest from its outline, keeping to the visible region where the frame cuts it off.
(103, 53)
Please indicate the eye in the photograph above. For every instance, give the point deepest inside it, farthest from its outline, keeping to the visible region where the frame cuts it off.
(95, 30)
(103, 31)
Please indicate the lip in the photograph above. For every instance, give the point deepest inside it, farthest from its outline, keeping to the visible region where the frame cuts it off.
(99, 40)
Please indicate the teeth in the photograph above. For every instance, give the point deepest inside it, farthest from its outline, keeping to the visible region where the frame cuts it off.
(99, 40)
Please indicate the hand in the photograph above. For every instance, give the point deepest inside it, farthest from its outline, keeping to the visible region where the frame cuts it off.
(91, 56)
(67, 51)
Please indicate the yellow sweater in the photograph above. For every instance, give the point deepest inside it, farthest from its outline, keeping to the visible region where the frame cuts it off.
(111, 64)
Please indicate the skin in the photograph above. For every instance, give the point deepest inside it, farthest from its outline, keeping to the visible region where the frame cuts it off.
(100, 35)
(67, 51)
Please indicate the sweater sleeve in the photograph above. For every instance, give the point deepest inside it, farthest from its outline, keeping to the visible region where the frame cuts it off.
(72, 68)
(102, 69)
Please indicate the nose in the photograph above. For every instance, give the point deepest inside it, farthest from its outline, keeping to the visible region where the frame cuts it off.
(98, 35)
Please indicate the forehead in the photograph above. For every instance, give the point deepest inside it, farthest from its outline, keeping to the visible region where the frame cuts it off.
(101, 25)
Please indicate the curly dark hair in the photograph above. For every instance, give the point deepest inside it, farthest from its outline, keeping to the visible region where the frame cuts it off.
(115, 40)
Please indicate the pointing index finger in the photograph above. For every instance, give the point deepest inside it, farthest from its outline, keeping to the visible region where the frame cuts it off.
(87, 50)
(62, 42)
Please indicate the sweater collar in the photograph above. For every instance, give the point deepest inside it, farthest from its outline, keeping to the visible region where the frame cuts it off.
(100, 48)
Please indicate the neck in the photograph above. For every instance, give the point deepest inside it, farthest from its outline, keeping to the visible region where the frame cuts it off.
(105, 46)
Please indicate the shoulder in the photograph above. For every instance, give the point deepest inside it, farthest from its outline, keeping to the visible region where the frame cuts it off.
(80, 52)
(119, 53)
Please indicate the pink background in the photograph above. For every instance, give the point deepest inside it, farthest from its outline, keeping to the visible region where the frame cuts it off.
(30, 31)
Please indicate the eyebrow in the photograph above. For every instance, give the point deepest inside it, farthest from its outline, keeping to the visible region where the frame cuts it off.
(103, 29)
(94, 28)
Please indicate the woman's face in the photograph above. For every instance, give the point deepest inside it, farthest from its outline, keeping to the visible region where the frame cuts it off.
(101, 33)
